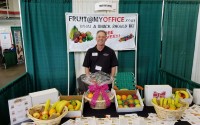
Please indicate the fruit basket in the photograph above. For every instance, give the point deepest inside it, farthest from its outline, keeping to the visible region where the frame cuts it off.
(53, 121)
(100, 102)
(167, 114)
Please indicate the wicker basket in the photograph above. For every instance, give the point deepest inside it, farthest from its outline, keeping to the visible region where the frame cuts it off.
(167, 114)
(100, 104)
(55, 121)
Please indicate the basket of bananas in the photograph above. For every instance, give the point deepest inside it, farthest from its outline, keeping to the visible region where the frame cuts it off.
(169, 108)
(47, 114)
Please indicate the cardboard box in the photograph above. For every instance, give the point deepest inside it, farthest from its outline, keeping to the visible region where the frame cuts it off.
(40, 97)
(127, 92)
(73, 114)
(188, 100)
(196, 95)
(156, 91)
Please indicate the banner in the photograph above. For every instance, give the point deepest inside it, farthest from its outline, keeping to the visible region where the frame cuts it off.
(81, 30)
(6, 41)
(19, 47)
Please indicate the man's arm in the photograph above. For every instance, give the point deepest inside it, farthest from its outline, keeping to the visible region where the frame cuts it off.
(87, 71)
(113, 70)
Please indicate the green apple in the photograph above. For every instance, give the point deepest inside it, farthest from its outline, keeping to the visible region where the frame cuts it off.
(129, 97)
(137, 101)
(137, 105)
(73, 102)
(119, 102)
(118, 97)
(45, 116)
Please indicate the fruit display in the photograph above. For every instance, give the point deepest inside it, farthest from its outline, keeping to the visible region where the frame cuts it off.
(128, 101)
(168, 103)
(125, 38)
(79, 37)
(74, 105)
(48, 111)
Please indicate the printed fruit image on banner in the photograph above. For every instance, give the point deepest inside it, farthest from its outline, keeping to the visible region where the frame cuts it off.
(125, 38)
(79, 37)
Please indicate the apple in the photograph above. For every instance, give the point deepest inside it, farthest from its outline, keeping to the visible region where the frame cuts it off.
(36, 115)
(135, 96)
(120, 106)
(137, 105)
(73, 102)
(126, 106)
(137, 101)
(118, 97)
(129, 97)
(131, 105)
(126, 102)
(119, 102)
(131, 101)
(70, 106)
(45, 116)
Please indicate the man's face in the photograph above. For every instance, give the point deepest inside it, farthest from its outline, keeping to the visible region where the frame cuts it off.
(101, 39)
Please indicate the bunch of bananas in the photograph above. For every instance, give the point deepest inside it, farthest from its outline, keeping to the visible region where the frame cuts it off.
(48, 111)
(168, 103)
(182, 94)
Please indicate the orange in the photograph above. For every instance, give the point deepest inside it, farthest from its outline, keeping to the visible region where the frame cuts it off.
(52, 111)
(123, 97)
(90, 95)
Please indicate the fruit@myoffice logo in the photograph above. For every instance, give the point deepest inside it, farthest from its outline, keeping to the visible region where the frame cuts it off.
(91, 19)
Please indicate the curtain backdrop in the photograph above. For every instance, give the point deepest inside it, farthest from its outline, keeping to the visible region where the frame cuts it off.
(44, 32)
(196, 60)
(149, 30)
(179, 30)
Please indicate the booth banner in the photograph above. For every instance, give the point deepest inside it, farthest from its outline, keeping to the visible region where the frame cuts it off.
(81, 30)
(19, 47)
(6, 41)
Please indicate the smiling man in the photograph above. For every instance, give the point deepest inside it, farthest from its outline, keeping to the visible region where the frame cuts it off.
(100, 57)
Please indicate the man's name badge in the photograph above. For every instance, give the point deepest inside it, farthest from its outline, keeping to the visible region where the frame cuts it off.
(98, 68)
(94, 54)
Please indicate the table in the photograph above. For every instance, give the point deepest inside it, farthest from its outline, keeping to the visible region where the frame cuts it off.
(87, 112)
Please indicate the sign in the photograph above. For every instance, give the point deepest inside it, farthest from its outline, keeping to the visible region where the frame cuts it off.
(5, 39)
(105, 6)
(18, 108)
(81, 30)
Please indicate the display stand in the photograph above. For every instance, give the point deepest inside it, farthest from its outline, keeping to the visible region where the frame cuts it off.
(129, 22)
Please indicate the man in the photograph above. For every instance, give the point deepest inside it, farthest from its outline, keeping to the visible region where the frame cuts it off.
(100, 57)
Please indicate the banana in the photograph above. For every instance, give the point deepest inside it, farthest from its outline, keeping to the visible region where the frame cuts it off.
(78, 106)
(46, 107)
(71, 34)
(173, 102)
(165, 101)
(177, 97)
(60, 107)
(169, 101)
(185, 93)
(54, 105)
(154, 100)
(161, 101)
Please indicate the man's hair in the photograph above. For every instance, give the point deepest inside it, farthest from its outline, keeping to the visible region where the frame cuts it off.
(102, 31)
